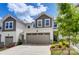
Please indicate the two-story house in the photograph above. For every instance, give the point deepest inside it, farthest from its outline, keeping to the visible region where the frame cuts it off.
(42, 30)
(38, 32)
(11, 29)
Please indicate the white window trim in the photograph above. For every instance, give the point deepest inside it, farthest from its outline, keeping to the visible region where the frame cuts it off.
(38, 21)
(9, 25)
(45, 23)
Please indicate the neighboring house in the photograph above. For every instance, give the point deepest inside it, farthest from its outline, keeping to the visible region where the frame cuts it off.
(38, 32)
(11, 30)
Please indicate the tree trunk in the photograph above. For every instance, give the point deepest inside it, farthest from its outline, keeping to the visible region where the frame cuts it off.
(69, 46)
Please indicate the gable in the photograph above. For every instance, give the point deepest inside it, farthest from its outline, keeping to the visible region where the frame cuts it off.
(9, 18)
(43, 16)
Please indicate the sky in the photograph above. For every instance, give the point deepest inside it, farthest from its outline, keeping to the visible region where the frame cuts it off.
(27, 11)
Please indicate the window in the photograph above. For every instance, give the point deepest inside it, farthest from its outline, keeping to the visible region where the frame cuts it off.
(0, 28)
(28, 26)
(55, 25)
(33, 25)
(47, 22)
(39, 23)
(6, 25)
(9, 25)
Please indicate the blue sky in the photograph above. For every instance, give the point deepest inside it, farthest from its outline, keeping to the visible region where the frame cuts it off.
(27, 11)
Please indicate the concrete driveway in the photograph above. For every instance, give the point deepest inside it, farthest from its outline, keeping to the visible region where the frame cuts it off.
(27, 50)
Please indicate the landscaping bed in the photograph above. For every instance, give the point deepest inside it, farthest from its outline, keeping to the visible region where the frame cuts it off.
(63, 52)
(62, 48)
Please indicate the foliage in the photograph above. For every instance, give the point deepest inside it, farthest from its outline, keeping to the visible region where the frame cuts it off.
(62, 43)
(68, 20)
(64, 52)
(57, 48)
(53, 46)
(56, 52)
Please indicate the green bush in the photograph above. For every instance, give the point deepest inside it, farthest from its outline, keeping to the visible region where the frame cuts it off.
(54, 42)
(56, 52)
(53, 46)
(61, 44)
(61, 40)
(64, 43)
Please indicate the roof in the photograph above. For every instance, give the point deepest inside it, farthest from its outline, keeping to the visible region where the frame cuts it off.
(9, 15)
(43, 14)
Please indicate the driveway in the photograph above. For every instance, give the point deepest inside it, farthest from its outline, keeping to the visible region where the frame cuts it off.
(27, 50)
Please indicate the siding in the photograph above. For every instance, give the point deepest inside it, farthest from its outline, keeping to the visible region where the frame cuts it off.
(44, 17)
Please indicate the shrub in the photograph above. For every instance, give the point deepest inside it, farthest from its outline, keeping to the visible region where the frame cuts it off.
(53, 46)
(66, 43)
(61, 40)
(54, 42)
(59, 46)
(60, 43)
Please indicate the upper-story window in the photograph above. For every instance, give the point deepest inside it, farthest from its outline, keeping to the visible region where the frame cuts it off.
(0, 28)
(47, 22)
(55, 25)
(9, 25)
(39, 23)
(33, 25)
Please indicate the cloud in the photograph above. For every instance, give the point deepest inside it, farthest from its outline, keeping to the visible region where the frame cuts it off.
(0, 18)
(24, 11)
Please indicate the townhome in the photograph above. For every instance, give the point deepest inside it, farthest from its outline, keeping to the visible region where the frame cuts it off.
(42, 32)
(13, 30)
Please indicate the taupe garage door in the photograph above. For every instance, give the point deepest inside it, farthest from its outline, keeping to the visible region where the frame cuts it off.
(38, 38)
(8, 40)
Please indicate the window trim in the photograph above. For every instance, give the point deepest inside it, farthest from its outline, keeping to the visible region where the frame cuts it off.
(38, 23)
(45, 22)
(8, 25)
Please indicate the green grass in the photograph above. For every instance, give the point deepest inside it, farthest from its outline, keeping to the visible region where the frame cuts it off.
(63, 52)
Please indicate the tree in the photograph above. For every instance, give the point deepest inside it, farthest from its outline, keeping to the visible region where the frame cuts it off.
(67, 21)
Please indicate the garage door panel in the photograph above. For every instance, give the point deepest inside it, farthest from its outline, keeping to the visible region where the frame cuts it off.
(8, 40)
(38, 38)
